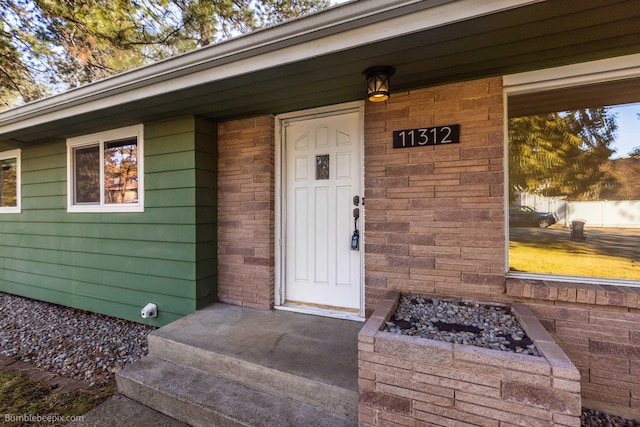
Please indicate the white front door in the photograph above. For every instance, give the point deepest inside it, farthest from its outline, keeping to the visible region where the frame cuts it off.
(322, 175)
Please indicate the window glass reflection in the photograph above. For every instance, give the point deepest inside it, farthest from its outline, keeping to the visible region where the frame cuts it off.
(87, 174)
(322, 167)
(8, 183)
(121, 171)
(574, 185)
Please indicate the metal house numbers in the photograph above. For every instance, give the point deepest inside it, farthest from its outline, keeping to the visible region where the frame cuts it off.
(438, 135)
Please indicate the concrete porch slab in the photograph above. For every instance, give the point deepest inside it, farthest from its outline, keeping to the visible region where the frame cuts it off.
(317, 348)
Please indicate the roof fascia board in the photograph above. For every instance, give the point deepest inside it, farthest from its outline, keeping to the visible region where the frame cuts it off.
(359, 23)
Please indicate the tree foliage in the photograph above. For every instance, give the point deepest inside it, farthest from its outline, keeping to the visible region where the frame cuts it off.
(48, 46)
(561, 154)
(21, 54)
(121, 172)
(8, 183)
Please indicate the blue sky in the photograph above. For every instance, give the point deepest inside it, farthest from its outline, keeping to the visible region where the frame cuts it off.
(628, 136)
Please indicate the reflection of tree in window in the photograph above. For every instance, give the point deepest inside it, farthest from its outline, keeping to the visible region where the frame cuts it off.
(8, 189)
(121, 171)
(624, 181)
(87, 174)
(569, 156)
(322, 166)
(561, 154)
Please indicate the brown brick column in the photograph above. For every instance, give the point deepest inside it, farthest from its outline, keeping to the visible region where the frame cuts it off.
(435, 214)
(246, 212)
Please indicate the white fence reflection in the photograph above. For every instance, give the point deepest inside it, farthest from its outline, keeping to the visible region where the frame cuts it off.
(605, 213)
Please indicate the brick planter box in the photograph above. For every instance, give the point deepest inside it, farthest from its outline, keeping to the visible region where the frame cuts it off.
(414, 381)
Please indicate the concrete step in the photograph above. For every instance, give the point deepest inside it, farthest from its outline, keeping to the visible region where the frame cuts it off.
(306, 358)
(329, 397)
(203, 399)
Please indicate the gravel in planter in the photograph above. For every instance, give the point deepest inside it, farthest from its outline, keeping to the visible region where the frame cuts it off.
(459, 322)
(595, 418)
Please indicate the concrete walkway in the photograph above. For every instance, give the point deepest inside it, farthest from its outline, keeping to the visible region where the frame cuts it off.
(119, 411)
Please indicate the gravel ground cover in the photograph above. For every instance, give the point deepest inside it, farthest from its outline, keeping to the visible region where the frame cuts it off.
(75, 344)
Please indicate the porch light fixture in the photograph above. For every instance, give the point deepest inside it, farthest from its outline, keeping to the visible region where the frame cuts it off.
(378, 82)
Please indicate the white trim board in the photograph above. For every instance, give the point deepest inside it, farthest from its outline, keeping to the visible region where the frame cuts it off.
(611, 69)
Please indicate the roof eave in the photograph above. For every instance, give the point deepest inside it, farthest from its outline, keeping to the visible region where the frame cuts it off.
(337, 28)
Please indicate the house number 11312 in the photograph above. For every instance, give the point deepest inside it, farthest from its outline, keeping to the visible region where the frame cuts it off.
(426, 136)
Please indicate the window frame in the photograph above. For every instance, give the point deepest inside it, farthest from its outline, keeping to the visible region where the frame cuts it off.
(564, 77)
(14, 154)
(99, 139)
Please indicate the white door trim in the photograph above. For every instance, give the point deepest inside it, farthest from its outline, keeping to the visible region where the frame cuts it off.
(280, 203)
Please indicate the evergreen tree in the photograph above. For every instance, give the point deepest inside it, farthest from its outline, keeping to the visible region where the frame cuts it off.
(48, 46)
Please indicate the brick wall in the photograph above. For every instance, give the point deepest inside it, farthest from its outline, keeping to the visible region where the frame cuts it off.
(435, 214)
(599, 329)
(245, 214)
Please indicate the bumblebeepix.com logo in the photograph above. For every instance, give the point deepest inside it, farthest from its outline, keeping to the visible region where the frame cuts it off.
(35, 418)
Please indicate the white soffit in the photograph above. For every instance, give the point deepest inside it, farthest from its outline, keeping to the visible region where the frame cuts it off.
(611, 69)
(290, 42)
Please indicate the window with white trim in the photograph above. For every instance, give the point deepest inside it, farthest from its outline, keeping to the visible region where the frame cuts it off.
(10, 181)
(106, 171)
(574, 180)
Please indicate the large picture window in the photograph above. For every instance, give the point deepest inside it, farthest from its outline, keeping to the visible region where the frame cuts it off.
(10, 181)
(574, 181)
(106, 171)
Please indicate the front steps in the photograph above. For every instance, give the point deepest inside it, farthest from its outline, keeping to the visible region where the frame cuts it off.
(230, 366)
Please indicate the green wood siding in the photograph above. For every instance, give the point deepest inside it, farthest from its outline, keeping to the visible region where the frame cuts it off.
(115, 263)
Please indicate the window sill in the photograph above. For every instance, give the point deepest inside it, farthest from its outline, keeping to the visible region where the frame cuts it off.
(584, 293)
(10, 211)
(104, 209)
